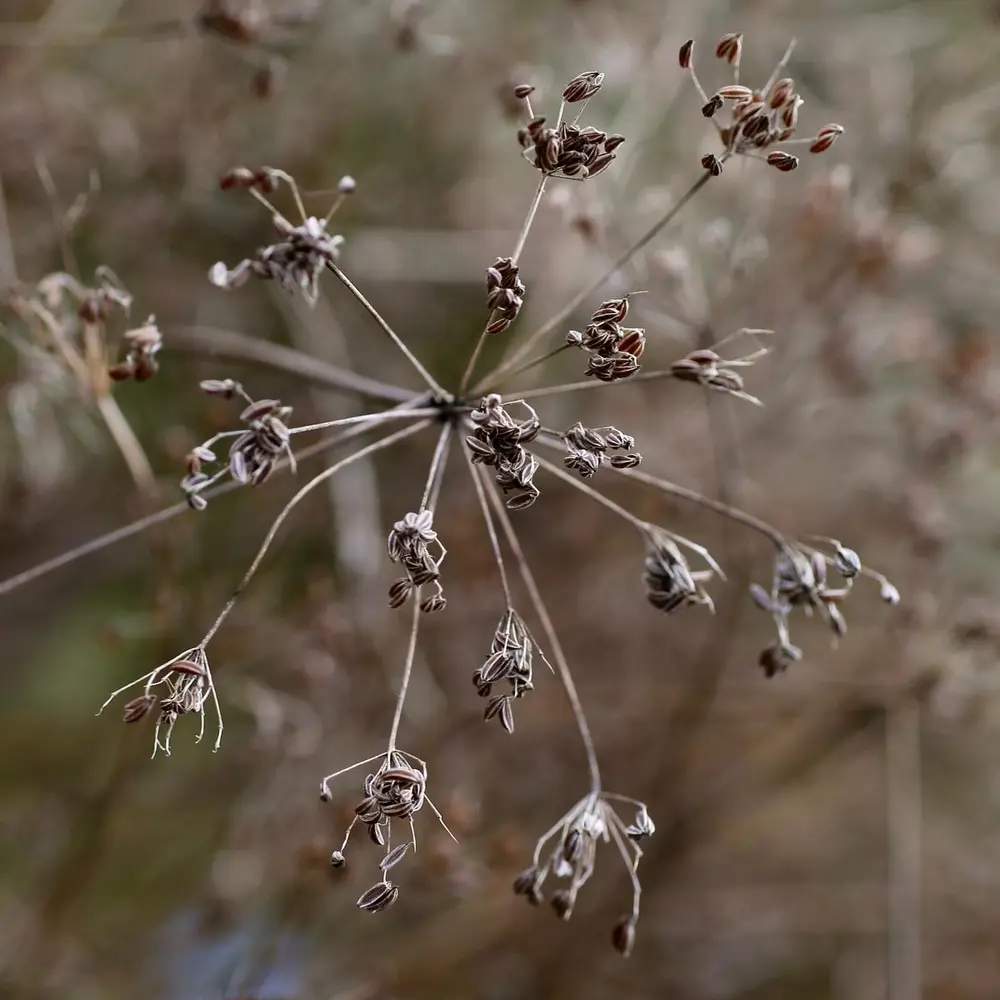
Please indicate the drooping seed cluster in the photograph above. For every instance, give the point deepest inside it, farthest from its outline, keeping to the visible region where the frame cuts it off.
(397, 790)
(800, 581)
(707, 368)
(141, 347)
(254, 452)
(587, 449)
(498, 441)
(671, 584)
(614, 349)
(573, 855)
(187, 688)
(749, 121)
(301, 254)
(504, 294)
(409, 544)
(510, 660)
(569, 150)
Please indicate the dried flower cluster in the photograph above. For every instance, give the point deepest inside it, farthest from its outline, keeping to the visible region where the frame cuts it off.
(614, 350)
(254, 451)
(752, 121)
(574, 839)
(499, 441)
(503, 433)
(510, 660)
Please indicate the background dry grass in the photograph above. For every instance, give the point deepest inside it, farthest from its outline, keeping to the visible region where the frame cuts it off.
(829, 833)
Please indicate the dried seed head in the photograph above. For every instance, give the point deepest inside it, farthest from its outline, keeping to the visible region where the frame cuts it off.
(379, 897)
(338, 860)
(846, 561)
(781, 93)
(623, 936)
(137, 708)
(735, 92)
(712, 164)
(826, 137)
(782, 161)
(529, 884)
(730, 48)
(237, 177)
(523, 90)
(686, 53)
(583, 87)
(713, 105)
(347, 185)
(888, 592)
(562, 903)
(778, 657)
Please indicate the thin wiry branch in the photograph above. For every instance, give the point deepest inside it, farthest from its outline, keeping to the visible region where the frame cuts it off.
(563, 314)
(548, 628)
(235, 346)
(393, 336)
(558, 390)
(490, 526)
(168, 513)
(404, 684)
(518, 250)
(290, 506)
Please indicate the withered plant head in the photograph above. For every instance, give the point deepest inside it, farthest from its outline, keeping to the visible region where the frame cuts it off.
(503, 440)
(753, 121)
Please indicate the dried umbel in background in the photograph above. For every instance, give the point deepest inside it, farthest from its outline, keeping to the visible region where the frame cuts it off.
(500, 433)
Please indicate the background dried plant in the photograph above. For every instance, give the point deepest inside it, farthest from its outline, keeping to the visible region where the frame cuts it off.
(829, 831)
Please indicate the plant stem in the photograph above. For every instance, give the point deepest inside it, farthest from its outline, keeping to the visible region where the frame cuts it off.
(290, 506)
(563, 314)
(393, 336)
(239, 347)
(550, 633)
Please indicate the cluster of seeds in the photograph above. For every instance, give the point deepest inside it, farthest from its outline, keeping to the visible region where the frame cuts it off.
(498, 440)
(707, 368)
(587, 449)
(254, 451)
(671, 584)
(397, 790)
(800, 581)
(569, 150)
(187, 688)
(510, 660)
(504, 294)
(751, 121)
(409, 545)
(141, 347)
(614, 349)
(573, 856)
(303, 251)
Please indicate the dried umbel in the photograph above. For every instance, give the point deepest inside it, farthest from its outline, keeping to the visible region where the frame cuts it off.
(587, 449)
(572, 854)
(254, 450)
(569, 150)
(497, 434)
(752, 121)
(141, 347)
(410, 544)
(708, 368)
(301, 254)
(498, 440)
(396, 791)
(801, 580)
(181, 686)
(614, 349)
(504, 294)
(671, 584)
(510, 665)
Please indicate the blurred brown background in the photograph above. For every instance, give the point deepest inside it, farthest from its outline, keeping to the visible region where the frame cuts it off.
(831, 833)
